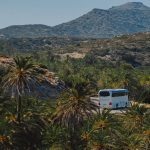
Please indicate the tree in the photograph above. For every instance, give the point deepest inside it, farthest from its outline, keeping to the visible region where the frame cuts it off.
(135, 117)
(99, 131)
(71, 111)
(90, 59)
(134, 129)
(22, 78)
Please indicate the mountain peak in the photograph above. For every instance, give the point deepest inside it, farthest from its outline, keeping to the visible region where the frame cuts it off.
(97, 10)
(131, 5)
(128, 18)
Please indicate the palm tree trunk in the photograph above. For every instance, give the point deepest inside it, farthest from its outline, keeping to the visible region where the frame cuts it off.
(74, 140)
(19, 108)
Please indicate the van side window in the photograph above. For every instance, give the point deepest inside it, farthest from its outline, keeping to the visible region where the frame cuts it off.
(104, 93)
(119, 94)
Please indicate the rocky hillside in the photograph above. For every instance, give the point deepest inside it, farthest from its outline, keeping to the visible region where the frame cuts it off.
(49, 87)
(129, 18)
(133, 49)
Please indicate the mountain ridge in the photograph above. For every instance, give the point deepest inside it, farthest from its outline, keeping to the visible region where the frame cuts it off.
(132, 17)
(131, 5)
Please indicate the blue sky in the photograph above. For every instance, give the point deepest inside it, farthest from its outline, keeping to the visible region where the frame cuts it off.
(50, 12)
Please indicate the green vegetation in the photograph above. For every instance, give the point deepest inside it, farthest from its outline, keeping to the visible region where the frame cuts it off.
(45, 110)
(71, 121)
(132, 49)
(46, 82)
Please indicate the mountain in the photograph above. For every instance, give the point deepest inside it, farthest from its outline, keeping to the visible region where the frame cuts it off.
(31, 31)
(131, 5)
(129, 18)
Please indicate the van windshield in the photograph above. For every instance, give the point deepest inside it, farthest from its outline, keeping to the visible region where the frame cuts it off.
(104, 93)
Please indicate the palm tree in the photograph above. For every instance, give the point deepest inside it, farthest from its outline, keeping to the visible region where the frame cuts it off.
(22, 78)
(134, 129)
(135, 117)
(100, 131)
(71, 111)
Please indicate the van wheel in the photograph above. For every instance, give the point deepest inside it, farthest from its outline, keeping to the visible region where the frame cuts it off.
(126, 105)
(116, 106)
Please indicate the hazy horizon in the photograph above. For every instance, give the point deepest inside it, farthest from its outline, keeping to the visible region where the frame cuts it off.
(51, 12)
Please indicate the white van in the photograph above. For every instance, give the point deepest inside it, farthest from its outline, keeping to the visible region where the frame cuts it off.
(113, 98)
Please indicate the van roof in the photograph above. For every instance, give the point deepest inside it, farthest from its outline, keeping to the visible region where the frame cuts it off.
(114, 90)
